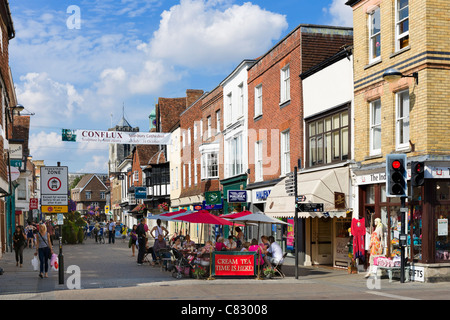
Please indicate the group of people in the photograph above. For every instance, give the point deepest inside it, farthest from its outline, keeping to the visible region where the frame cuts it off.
(38, 236)
(269, 250)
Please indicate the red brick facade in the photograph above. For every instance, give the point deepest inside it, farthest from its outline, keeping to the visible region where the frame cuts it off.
(301, 49)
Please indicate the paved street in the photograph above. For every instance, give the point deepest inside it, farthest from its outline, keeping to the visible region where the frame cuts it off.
(109, 272)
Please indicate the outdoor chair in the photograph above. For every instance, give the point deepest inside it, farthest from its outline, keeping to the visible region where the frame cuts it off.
(278, 266)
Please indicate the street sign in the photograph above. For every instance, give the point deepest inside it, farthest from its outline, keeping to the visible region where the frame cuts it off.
(301, 198)
(54, 186)
(310, 207)
(60, 217)
(55, 209)
(34, 203)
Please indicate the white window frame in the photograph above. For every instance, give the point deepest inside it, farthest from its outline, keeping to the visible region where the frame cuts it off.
(195, 131)
(218, 121)
(402, 125)
(258, 100)
(184, 176)
(189, 174)
(235, 156)
(189, 136)
(241, 99)
(208, 120)
(208, 159)
(229, 108)
(398, 22)
(373, 36)
(285, 84)
(258, 161)
(285, 152)
(195, 171)
(373, 127)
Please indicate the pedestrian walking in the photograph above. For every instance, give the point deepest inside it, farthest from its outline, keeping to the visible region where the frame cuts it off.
(142, 239)
(44, 249)
(30, 235)
(112, 231)
(19, 242)
(133, 239)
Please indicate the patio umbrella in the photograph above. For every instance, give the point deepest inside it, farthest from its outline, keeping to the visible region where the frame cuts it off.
(169, 216)
(203, 216)
(258, 218)
(235, 215)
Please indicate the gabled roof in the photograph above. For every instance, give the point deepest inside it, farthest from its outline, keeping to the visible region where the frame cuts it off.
(86, 179)
(145, 152)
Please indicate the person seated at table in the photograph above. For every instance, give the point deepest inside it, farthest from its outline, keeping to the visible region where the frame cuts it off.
(245, 246)
(177, 244)
(275, 253)
(256, 248)
(188, 243)
(159, 244)
(206, 249)
(230, 244)
(239, 237)
(220, 246)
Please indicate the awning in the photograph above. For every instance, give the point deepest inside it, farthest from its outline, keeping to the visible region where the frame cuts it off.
(317, 187)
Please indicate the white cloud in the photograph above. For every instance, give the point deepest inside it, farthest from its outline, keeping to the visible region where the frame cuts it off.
(341, 14)
(51, 101)
(196, 33)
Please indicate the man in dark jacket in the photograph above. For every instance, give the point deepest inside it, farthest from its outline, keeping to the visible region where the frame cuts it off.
(142, 239)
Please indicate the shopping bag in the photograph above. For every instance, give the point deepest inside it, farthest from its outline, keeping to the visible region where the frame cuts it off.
(54, 262)
(35, 263)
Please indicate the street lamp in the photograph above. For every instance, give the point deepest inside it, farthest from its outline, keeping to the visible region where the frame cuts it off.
(392, 74)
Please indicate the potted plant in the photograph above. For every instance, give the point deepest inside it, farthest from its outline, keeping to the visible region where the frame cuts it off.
(199, 272)
(268, 272)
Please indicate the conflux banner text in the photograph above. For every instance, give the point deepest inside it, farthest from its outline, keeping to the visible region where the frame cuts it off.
(119, 137)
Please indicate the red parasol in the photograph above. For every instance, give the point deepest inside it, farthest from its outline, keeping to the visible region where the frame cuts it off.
(169, 214)
(203, 216)
(235, 215)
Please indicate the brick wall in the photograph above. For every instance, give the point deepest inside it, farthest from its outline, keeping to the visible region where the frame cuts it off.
(427, 54)
(303, 48)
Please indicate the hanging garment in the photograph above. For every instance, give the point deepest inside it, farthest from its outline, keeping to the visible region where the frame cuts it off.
(375, 244)
(358, 231)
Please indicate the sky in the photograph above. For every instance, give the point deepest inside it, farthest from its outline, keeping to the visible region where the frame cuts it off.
(81, 64)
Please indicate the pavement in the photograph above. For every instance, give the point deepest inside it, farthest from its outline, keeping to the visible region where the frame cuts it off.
(111, 267)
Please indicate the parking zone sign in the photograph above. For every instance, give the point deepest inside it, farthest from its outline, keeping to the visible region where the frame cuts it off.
(54, 187)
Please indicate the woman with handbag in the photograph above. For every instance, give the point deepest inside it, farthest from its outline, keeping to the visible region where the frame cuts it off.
(44, 249)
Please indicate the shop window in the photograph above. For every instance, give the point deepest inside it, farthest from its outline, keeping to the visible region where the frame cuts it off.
(328, 138)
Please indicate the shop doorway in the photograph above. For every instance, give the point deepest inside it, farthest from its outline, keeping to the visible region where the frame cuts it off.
(321, 245)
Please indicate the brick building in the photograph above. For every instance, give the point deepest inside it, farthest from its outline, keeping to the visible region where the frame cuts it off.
(90, 195)
(275, 100)
(406, 116)
(7, 216)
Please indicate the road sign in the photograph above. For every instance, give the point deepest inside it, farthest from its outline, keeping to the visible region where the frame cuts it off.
(55, 209)
(34, 203)
(301, 198)
(54, 186)
(310, 207)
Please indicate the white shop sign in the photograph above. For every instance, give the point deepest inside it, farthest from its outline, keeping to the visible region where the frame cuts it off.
(417, 273)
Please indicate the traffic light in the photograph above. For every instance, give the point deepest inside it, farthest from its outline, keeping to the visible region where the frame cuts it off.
(417, 173)
(396, 177)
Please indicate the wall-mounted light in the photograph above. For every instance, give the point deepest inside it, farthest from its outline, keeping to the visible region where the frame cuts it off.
(392, 74)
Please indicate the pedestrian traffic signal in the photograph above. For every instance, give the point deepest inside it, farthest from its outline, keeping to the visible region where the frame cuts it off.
(396, 177)
(417, 173)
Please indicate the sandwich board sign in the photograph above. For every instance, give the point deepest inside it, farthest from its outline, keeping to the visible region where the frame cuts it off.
(54, 189)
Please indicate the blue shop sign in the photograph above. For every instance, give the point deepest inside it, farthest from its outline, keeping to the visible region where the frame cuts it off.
(212, 206)
(237, 196)
(140, 192)
(262, 195)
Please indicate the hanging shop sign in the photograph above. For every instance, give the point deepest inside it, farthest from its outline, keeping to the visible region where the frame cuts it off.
(140, 192)
(237, 196)
(119, 137)
(234, 264)
(213, 198)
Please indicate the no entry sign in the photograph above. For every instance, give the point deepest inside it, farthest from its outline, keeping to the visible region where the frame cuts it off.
(54, 188)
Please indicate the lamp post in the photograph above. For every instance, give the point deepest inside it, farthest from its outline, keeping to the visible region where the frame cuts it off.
(10, 226)
(392, 74)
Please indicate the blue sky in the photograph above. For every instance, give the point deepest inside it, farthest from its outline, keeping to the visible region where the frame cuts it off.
(75, 64)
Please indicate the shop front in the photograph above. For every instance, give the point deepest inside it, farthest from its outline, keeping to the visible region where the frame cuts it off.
(428, 242)
(238, 204)
(323, 235)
